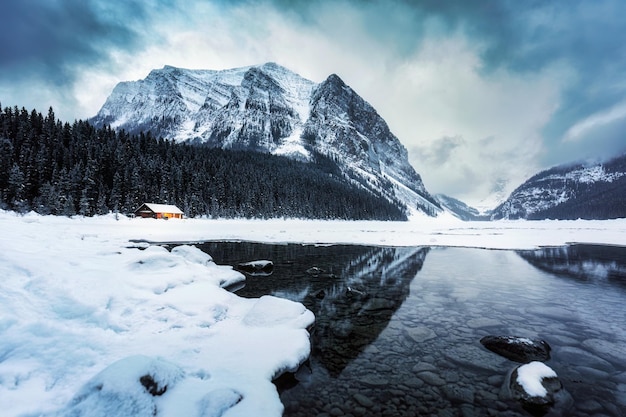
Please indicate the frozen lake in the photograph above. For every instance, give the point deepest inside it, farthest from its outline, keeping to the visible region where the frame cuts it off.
(398, 329)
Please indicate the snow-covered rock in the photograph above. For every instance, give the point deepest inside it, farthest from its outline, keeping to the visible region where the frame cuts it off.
(530, 378)
(271, 311)
(257, 268)
(268, 108)
(130, 386)
(538, 388)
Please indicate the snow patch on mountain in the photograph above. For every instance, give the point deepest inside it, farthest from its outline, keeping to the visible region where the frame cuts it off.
(594, 174)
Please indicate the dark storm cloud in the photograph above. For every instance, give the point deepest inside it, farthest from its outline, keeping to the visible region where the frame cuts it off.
(518, 35)
(51, 40)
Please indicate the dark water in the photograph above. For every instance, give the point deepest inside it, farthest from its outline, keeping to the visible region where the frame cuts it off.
(397, 329)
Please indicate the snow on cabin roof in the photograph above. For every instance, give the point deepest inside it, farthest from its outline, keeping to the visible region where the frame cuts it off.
(163, 208)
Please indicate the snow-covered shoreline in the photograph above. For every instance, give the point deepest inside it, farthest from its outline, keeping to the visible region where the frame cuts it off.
(420, 231)
(76, 297)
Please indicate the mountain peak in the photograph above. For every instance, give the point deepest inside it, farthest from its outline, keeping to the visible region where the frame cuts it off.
(335, 85)
(273, 66)
(335, 79)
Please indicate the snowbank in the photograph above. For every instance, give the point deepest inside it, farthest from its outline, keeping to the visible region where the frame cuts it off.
(92, 326)
(420, 231)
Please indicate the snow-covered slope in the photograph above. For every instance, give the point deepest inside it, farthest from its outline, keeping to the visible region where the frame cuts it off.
(595, 191)
(458, 208)
(268, 108)
(497, 195)
(251, 107)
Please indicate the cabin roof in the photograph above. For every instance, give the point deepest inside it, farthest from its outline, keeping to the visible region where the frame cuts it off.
(161, 208)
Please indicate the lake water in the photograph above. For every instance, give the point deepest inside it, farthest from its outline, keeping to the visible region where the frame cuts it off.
(397, 329)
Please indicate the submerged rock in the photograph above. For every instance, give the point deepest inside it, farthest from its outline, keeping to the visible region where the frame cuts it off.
(419, 334)
(314, 270)
(473, 357)
(363, 400)
(320, 295)
(379, 304)
(354, 293)
(458, 394)
(613, 352)
(518, 349)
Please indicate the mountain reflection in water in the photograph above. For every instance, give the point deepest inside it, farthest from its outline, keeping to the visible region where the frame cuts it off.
(352, 290)
(589, 263)
(398, 335)
(354, 311)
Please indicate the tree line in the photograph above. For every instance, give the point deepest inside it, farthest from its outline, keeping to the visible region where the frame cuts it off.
(52, 167)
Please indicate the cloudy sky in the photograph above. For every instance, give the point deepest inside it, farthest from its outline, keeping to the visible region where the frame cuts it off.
(482, 93)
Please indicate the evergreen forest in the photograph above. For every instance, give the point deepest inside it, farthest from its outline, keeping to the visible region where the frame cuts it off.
(52, 167)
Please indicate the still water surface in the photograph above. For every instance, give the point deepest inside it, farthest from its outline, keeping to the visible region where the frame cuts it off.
(397, 329)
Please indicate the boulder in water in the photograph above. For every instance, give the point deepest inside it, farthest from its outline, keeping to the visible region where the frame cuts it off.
(257, 268)
(518, 349)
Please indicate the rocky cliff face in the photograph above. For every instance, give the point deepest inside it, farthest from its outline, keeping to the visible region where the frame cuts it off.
(268, 108)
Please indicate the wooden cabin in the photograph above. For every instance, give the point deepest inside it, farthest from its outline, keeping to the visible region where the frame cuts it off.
(158, 211)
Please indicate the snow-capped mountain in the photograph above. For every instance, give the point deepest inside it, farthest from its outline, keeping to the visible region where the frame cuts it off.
(587, 191)
(268, 108)
(458, 208)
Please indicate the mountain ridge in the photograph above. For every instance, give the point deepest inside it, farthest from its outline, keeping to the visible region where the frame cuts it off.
(570, 191)
(459, 208)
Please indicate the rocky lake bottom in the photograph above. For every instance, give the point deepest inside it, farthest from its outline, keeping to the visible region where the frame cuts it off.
(398, 330)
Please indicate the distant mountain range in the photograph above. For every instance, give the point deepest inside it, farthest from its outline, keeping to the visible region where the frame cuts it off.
(458, 208)
(579, 191)
(565, 192)
(270, 109)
